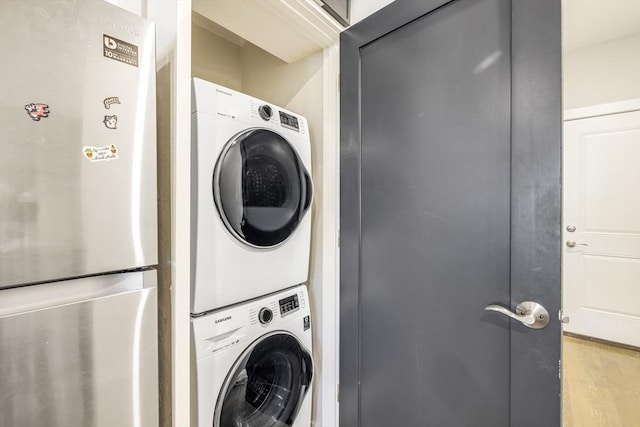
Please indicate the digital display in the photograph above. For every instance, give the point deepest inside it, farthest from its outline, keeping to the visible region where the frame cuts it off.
(289, 304)
(289, 121)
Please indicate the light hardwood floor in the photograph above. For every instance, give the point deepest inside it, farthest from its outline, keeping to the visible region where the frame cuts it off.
(601, 384)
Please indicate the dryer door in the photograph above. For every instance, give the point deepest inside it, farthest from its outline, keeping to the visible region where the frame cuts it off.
(267, 385)
(261, 188)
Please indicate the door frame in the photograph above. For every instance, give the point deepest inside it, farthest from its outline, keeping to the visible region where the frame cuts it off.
(594, 111)
(536, 135)
(605, 109)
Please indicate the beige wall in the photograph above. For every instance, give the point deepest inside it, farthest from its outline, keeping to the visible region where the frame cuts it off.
(215, 59)
(601, 73)
(251, 70)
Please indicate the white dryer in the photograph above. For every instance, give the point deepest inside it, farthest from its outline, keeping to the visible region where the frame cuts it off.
(252, 363)
(251, 197)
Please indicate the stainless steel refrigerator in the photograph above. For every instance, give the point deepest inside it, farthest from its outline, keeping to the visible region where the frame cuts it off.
(78, 216)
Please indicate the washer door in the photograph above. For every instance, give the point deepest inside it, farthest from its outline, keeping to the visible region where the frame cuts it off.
(261, 188)
(267, 385)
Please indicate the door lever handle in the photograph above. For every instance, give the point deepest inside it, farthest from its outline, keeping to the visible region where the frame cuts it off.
(573, 244)
(529, 313)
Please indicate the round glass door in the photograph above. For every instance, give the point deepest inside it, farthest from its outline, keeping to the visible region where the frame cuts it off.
(267, 385)
(261, 188)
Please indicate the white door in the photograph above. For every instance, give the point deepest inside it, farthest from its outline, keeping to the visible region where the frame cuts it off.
(601, 230)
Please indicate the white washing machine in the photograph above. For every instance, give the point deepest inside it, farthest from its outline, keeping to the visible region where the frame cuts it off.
(251, 197)
(252, 363)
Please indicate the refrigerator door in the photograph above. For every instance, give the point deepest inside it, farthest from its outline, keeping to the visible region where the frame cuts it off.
(77, 141)
(91, 363)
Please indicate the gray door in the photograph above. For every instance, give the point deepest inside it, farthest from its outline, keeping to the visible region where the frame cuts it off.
(450, 202)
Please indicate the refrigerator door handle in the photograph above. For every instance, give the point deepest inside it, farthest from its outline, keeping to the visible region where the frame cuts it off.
(47, 295)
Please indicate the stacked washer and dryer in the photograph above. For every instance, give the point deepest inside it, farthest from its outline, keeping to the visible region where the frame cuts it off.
(252, 360)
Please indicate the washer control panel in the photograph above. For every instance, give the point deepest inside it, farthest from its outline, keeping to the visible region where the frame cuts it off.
(238, 326)
(289, 305)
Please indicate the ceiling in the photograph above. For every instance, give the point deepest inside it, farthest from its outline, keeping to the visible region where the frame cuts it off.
(587, 22)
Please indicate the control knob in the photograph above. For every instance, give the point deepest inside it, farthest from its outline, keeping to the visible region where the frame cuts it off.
(265, 315)
(265, 112)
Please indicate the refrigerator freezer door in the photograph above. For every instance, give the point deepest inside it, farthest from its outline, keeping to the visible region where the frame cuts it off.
(77, 141)
(91, 363)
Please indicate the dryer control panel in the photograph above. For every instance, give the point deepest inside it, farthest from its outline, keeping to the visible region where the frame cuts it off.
(289, 121)
(277, 116)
